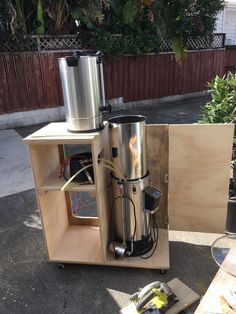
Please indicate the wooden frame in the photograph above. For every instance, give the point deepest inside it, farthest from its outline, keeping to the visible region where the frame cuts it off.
(79, 240)
(170, 152)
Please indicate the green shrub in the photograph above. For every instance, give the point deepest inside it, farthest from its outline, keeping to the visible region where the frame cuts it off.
(222, 107)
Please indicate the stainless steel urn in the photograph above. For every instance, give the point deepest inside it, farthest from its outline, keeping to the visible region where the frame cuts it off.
(127, 134)
(83, 90)
(134, 201)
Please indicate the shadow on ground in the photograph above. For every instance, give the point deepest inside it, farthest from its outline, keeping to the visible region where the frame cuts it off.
(29, 284)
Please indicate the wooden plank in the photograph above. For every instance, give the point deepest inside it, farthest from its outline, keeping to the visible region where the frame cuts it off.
(12, 83)
(153, 81)
(79, 244)
(19, 61)
(41, 97)
(100, 147)
(120, 77)
(162, 79)
(199, 165)
(128, 77)
(190, 72)
(136, 78)
(157, 164)
(146, 86)
(4, 89)
(197, 67)
(178, 75)
(45, 160)
(141, 75)
(194, 74)
(46, 62)
(214, 301)
(54, 182)
(108, 77)
(185, 74)
(31, 82)
(57, 133)
(117, 74)
(54, 218)
(63, 241)
(159, 260)
(169, 74)
(131, 83)
(186, 297)
(55, 79)
(171, 83)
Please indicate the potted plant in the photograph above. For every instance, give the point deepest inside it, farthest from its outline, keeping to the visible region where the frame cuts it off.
(222, 109)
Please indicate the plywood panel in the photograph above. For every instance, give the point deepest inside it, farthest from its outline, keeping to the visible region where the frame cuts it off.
(157, 164)
(159, 260)
(199, 166)
(45, 160)
(100, 147)
(57, 133)
(214, 301)
(186, 297)
(53, 212)
(79, 244)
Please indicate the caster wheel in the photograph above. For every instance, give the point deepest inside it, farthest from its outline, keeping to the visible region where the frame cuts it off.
(60, 266)
(162, 271)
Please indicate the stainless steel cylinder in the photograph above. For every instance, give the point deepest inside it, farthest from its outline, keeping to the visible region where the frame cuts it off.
(128, 149)
(83, 91)
(126, 221)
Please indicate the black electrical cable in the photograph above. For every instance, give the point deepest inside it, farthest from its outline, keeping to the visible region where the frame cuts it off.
(64, 172)
(112, 233)
(135, 218)
(155, 236)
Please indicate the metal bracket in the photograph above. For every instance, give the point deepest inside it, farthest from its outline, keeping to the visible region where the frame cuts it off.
(166, 177)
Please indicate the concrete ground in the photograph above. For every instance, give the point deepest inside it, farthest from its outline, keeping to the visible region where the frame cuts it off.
(30, 284)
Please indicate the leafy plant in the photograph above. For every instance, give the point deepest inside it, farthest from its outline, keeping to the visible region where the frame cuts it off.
(40, 30)
(187, 18)
(222, 107)
(88, 12)
(114, 26)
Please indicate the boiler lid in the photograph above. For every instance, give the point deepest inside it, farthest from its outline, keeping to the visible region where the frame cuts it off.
(87, 53)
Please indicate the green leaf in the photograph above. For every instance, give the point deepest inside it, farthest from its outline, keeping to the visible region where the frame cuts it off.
(129, 12)
(116, 7)
(40, 30)
(178, 48)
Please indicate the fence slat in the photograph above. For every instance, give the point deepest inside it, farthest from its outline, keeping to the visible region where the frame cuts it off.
(31, 80)
(12, 84)
(4, 90)
(19, 61)
(38, 81)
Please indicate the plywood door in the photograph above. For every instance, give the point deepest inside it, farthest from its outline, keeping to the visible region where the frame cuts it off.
(199, 167)
(157, 164)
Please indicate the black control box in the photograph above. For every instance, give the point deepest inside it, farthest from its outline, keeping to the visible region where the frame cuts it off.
(78, 162)
(152, 199)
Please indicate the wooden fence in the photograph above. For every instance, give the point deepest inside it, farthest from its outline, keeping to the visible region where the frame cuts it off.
(31, 80)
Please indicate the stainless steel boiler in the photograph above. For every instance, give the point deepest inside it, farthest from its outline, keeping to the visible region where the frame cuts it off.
(83, 90)
(134, 200)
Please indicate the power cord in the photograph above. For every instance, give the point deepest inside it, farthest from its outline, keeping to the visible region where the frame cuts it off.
(155, 237)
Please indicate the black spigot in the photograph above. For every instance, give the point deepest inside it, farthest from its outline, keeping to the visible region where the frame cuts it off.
(107, 107)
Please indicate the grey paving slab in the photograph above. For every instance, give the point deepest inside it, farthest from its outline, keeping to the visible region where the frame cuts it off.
(15, 168)
(30, 284)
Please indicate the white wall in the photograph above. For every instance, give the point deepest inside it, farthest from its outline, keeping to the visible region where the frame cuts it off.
(230, 26)
(226, 22)
(220, 23)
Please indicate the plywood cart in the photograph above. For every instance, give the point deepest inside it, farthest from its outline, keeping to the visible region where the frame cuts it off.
(189, 163)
